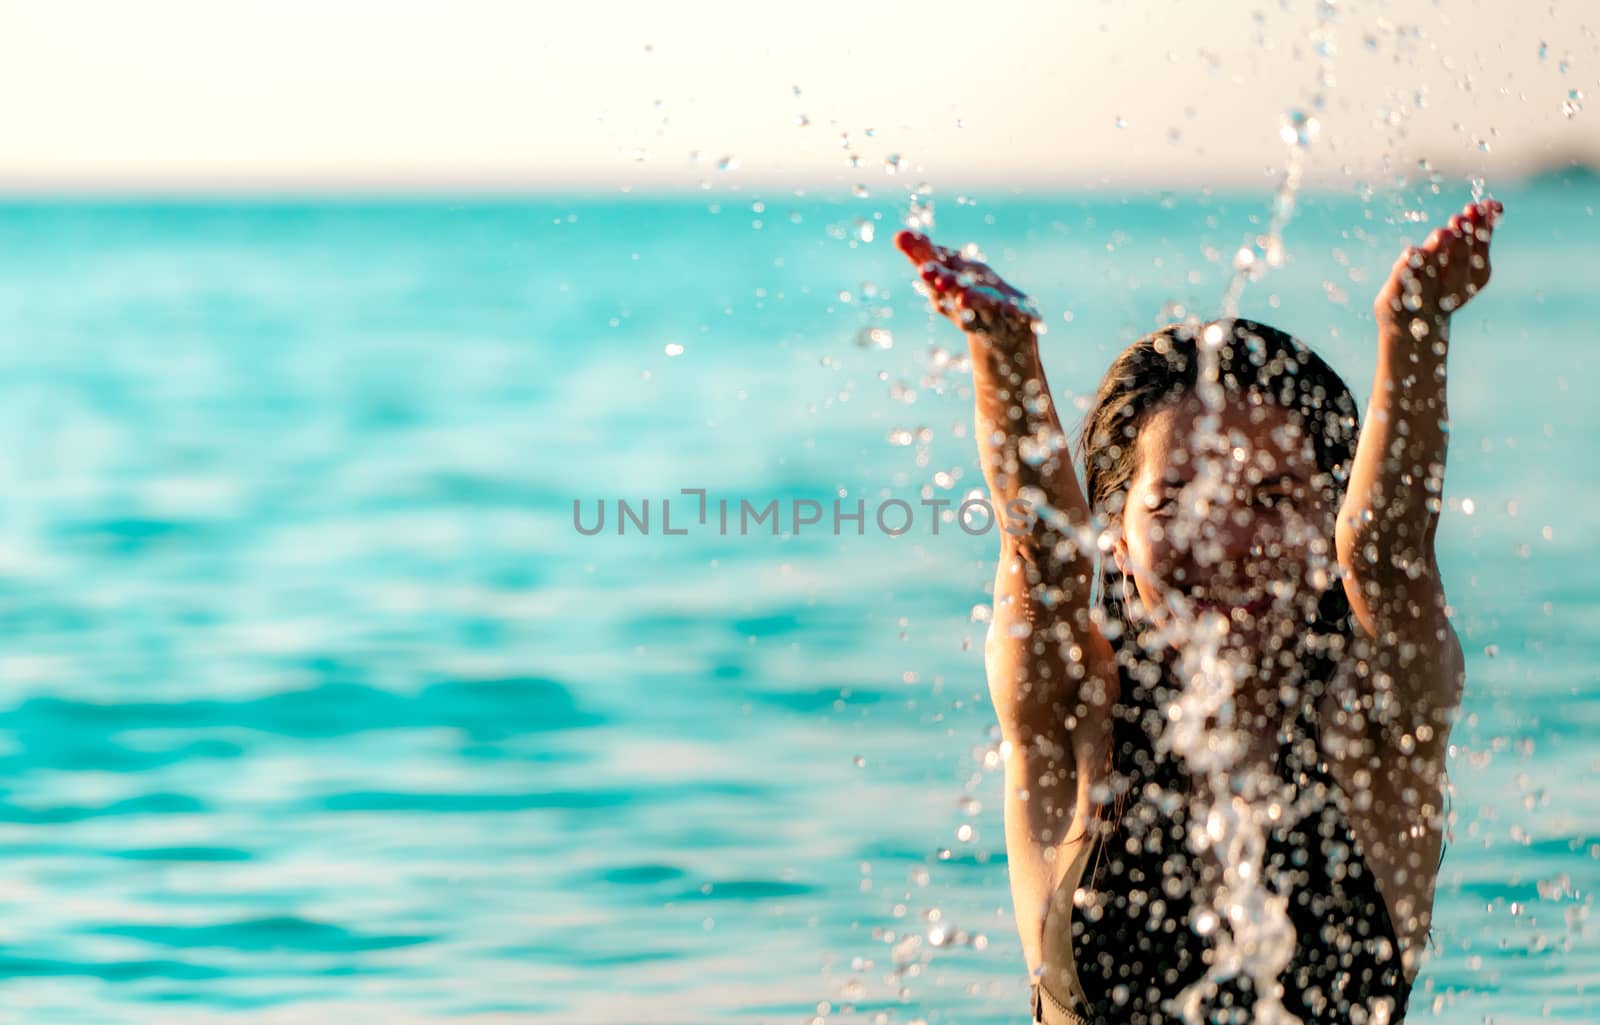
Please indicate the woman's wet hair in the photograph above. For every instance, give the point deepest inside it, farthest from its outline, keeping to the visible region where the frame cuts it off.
(1252, 359)
(1255, 362)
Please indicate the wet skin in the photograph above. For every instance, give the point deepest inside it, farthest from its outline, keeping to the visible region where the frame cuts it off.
(1386, 732)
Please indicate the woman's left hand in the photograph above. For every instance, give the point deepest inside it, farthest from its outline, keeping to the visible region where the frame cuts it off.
(1431, 281)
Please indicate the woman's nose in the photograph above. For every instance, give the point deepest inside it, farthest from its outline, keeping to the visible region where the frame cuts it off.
(1235, 534)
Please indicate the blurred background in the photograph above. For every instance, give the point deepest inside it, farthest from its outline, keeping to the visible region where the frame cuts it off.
(319, 325)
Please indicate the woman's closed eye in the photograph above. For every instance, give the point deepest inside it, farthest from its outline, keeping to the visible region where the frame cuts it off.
(1283, 493)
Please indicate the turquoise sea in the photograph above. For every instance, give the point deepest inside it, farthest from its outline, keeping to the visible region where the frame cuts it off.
(316, 707)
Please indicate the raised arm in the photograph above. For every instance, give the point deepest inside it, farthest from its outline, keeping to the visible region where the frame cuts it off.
(1395, 723)
(1051, 671)
(1391, 509)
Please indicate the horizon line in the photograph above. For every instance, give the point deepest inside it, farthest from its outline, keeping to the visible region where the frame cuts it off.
(489, 189)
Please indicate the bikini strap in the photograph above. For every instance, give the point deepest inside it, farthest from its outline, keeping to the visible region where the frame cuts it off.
(1047, 1010)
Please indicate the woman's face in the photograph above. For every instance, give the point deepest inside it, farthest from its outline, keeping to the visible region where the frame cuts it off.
(1231, 521)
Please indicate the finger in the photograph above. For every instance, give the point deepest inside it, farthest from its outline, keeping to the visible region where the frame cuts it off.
(977, 270)
(988, 310)
(940, 279)
(1431, 246)
(1491, 217)
(974, 269)
(986, 276)
(1458, 238)
(982, 297)
(918, 248)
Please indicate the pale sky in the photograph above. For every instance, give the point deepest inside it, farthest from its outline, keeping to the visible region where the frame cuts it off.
(402, 96)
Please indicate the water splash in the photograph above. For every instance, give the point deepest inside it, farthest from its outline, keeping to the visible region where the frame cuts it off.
(920, 215)
(1237, 800)
(1236, 803)
(1263, 251)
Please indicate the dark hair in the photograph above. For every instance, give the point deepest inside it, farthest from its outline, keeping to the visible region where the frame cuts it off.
(1252, 360)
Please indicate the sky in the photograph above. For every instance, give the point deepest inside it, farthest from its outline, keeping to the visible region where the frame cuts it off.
(200, 95)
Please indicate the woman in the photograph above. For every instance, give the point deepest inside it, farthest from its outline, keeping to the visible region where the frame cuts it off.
(1269, 649)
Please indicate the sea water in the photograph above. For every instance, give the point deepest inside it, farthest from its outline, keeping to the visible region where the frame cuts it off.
(319, 706)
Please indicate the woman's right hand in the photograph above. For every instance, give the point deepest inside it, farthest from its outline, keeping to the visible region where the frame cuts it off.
(970, 293)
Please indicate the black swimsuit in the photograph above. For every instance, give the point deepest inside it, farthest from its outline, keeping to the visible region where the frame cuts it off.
(1133, 944)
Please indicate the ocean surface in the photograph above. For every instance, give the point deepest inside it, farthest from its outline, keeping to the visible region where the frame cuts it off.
(317, 706)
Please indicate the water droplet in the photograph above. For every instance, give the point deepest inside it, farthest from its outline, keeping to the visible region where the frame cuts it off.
(860, 192)
(1468, 506)
(1544, 49)
(891, 164)
(859, 762)
(1491, 650)
(920, 215)
(865, 230)
(964, 833)
(1033, 450)
(801, 121)
(1572, 104)
(674, 349)
(1120, 121)
(875, 338)
(1299, 128)
(727, 164)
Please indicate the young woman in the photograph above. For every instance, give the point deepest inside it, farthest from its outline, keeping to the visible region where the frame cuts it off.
(1270, 634)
